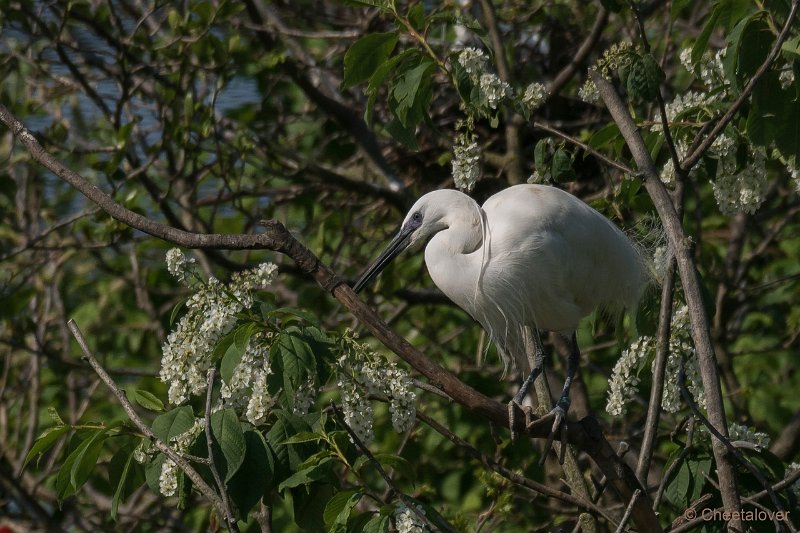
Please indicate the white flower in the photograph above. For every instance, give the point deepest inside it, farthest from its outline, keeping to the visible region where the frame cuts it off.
(474, 61)
(624, 380)
(407, 520)
(493, 89)
(738, 432)
(794, 172)
(786, 77)
(535, 95)
(466, 162)
(588, 92)
(358, 412)
(168, 480)
(681, 105)
(744, 190)
(304, 398)
(178, 265)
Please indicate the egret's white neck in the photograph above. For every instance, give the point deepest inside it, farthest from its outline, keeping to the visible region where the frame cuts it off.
(453, 255)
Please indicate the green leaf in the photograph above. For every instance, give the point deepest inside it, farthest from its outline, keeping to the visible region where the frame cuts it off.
(152, 472)
(404, 135)
(175, 310)
(125, 474)
(379, 523)
(365, 56)
(399, 464)
(146, 399)
(338, 509)
(54, 416)
(748, 45)
(45, 441)
(411, 93)
(227, 430)
(416, 15)
(310, 474)
(701, 43)
(251, 483)
(561, 167)
(173, 423)
(86, 456)
(644, 77)
(305, 436)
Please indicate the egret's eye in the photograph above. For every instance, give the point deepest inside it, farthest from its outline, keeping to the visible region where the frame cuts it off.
(416, 218)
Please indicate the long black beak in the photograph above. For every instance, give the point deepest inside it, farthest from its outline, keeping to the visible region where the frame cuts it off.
(398, 244)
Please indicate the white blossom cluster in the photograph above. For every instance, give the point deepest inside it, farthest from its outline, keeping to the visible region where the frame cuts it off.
(794, 172)
(624, 381)
(534, 96)
(466, 161)
(492, 88)
(168, 479)
(667, 174)
(211, 314)
(407, 520)
(742, 190)
(615, 57)
(786, 77)
(304, 398)
(179, 265)
(709, 69)
(744, 433)
(363, 372)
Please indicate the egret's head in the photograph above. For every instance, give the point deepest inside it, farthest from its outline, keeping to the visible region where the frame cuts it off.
(428, 216)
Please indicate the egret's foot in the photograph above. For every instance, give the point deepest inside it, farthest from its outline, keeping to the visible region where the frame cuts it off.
(513, 405)
(559, 427)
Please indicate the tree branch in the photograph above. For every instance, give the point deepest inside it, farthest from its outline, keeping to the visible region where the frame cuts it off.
(690, 279)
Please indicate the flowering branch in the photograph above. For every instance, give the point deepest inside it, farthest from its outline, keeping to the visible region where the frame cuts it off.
(177, 458)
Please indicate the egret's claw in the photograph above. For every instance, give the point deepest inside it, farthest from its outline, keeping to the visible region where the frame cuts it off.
(559, 413)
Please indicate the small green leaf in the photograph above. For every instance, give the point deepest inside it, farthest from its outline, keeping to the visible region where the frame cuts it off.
(561, 167)
(227, 431)
(54, 416)
(304, 436)
(379, 523)
(416, 15)
(249, 484)
(701, 43)
(125, 474)
(86, 456)
(146, 399)
(338, 508)
(173, 423)
(307, 475)
(175, 310)
(47, 439)
(365, 56)
(411, 93)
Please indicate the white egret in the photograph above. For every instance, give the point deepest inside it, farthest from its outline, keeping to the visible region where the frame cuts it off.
(533, 258)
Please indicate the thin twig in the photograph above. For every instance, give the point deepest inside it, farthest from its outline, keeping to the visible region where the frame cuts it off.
(628, 511)
(177, 458)
(212, 464)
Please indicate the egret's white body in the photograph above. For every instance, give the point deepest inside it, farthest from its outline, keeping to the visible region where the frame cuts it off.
(532, 258)
(532, 255)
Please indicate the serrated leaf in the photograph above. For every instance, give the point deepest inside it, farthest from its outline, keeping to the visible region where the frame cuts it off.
(173, 423)
(54, 416)
(561, 166)
(305, 436)
(46, 440)
(227, 430)
(365, 56)
(338, 509)
(411, 92)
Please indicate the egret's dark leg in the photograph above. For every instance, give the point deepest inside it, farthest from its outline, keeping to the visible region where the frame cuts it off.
(563, 403)
(532, 342)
